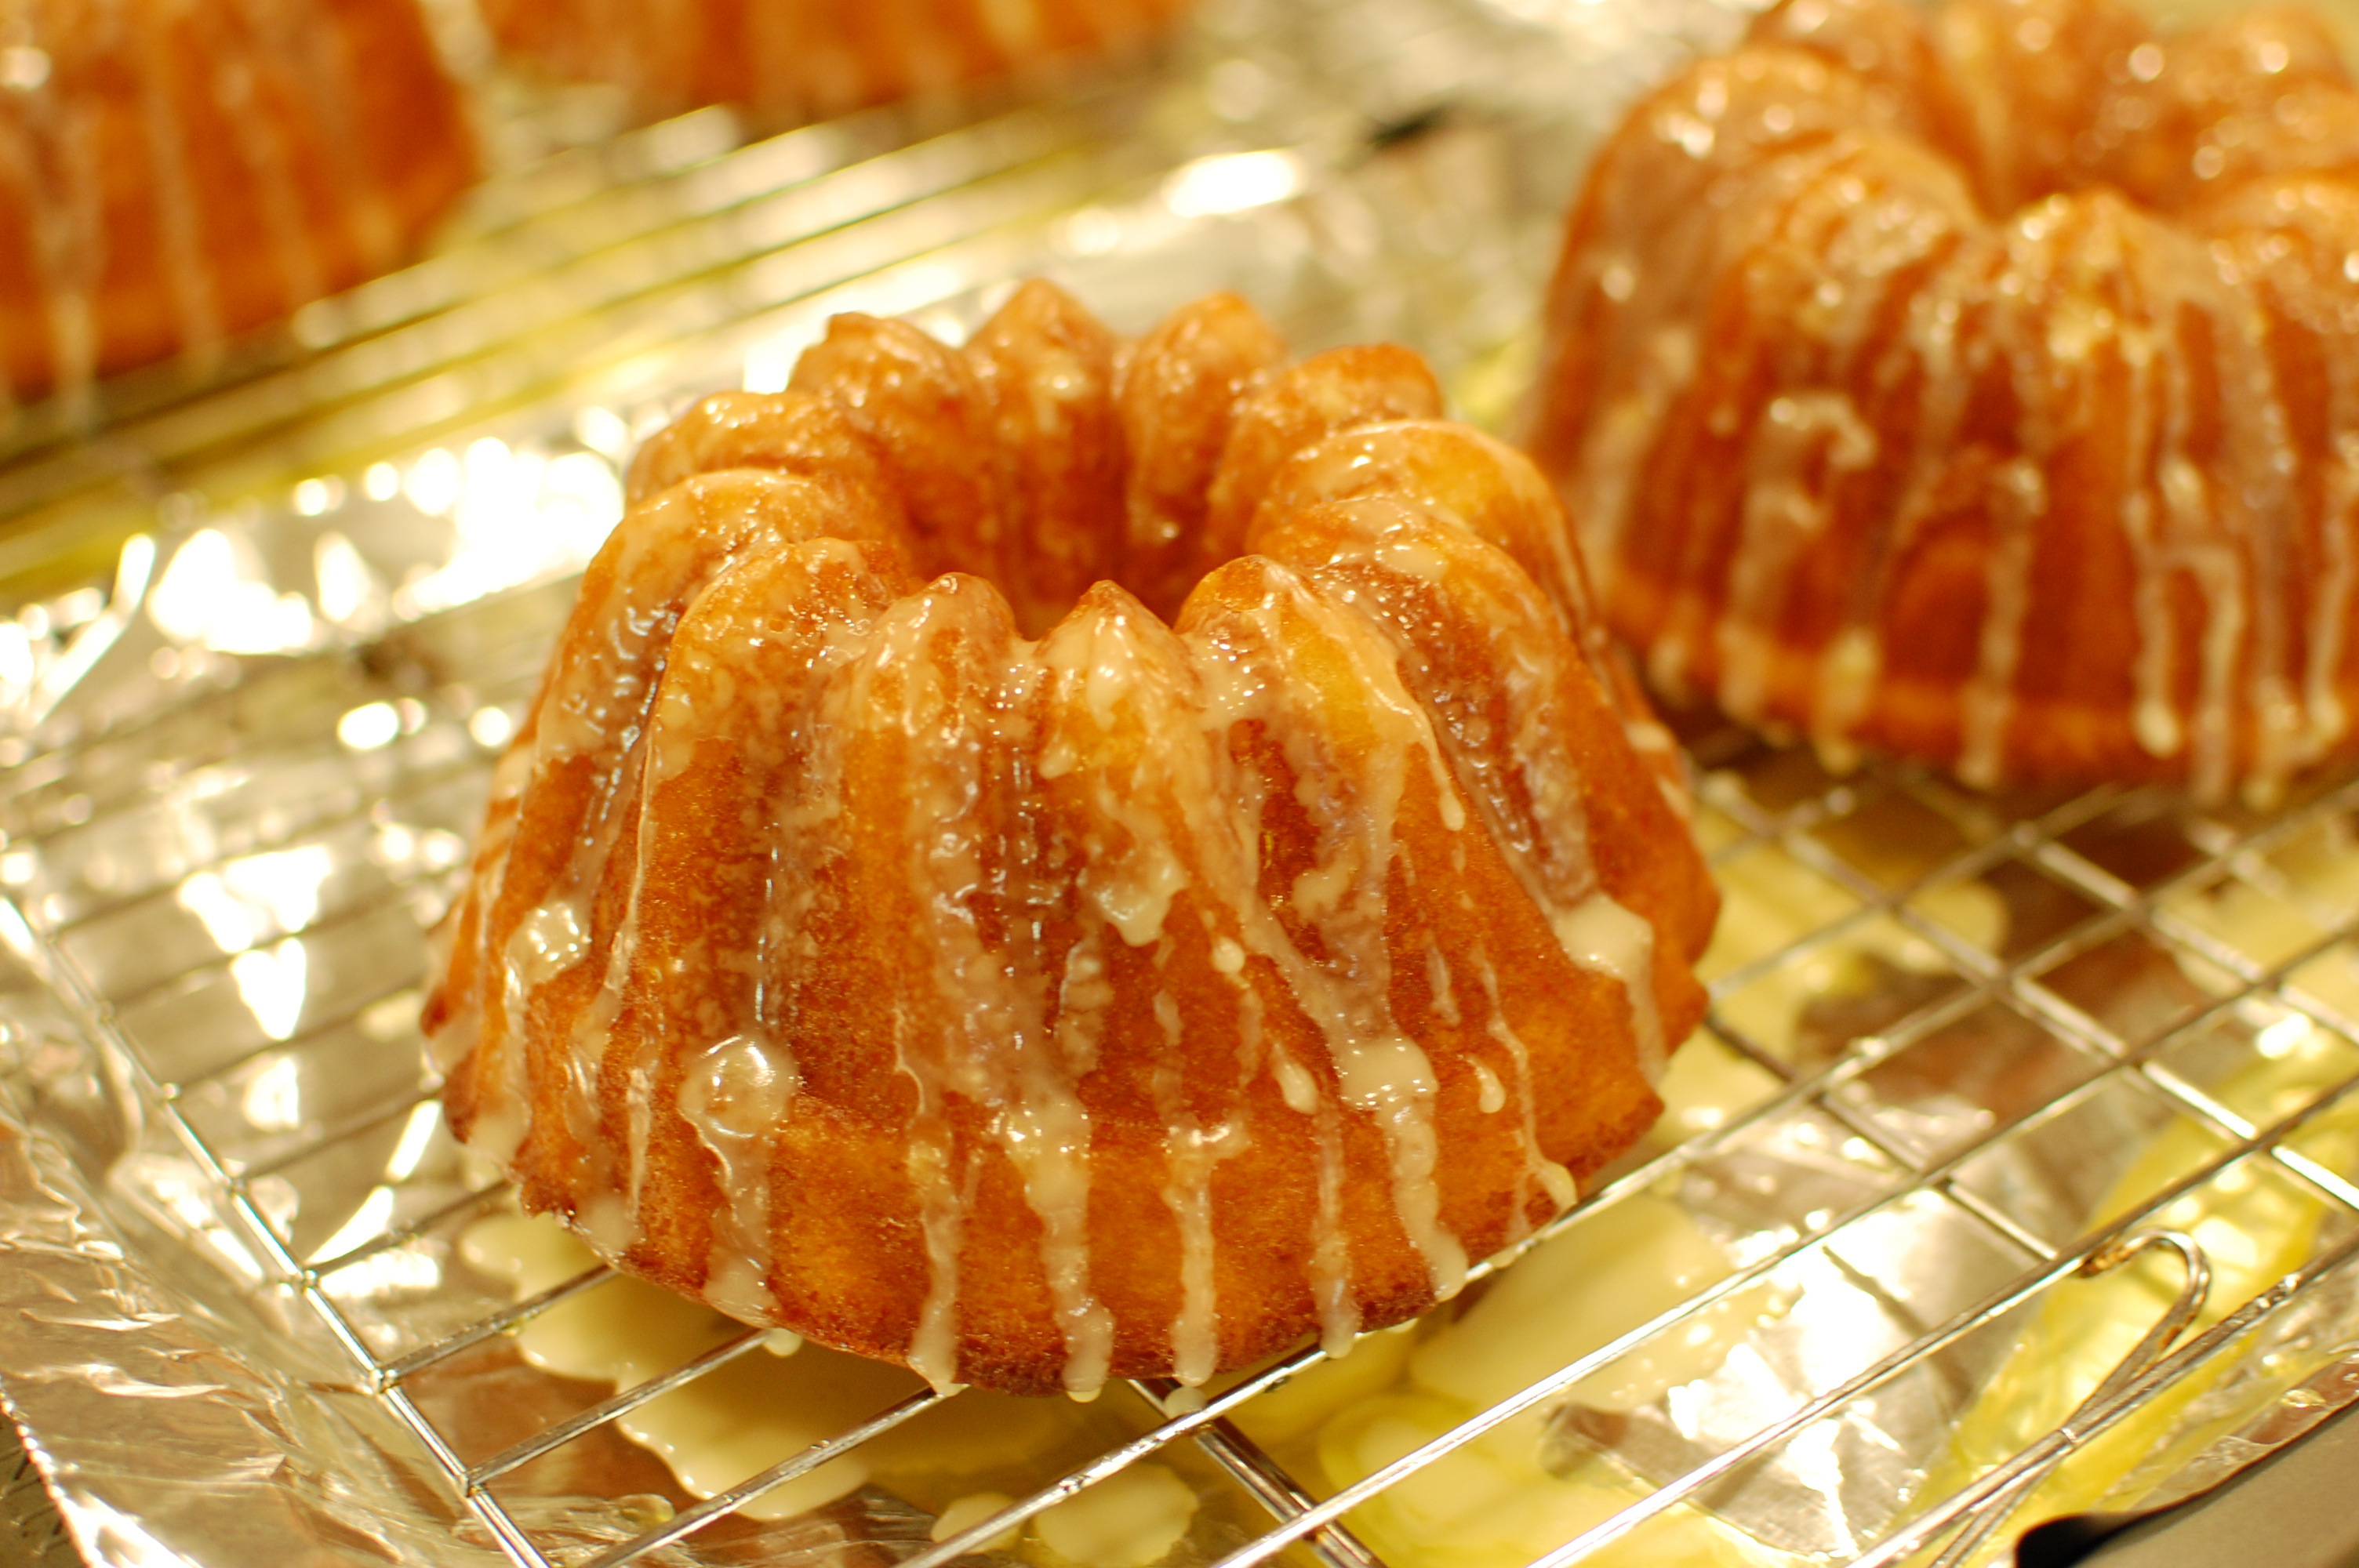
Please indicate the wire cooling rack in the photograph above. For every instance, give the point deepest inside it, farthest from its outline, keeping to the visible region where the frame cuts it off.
(339, 1204)
(1972, 1013)
(591, 274)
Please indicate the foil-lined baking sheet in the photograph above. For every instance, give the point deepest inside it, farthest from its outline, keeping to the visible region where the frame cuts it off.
(1959, 1046)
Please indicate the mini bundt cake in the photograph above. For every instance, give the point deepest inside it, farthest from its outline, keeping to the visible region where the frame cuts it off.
(1981, 385)
(797, 60)
(980, 972)
(176, 172)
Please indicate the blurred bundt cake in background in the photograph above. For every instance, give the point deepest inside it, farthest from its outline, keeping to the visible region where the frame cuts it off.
(802, 59)
(173, 172)
(1982, 384)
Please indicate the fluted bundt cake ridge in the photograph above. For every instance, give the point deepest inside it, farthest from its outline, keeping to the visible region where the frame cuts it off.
(176, 172)
(890, 926)
(1981, 386)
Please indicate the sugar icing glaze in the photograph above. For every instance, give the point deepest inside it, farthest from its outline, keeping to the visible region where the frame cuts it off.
(988, 973)
(173, 172)
(1982, 384)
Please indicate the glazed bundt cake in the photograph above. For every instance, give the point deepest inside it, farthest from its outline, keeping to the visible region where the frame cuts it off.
(888, 925)
(1981, 386)
(176, 172)
(796, 59)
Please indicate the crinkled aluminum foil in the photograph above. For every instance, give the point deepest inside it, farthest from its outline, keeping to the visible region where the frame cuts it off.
(242, 775)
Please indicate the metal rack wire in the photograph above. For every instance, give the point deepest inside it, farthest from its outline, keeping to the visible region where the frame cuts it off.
(586, 276)
(2055, 842)
(630, 248)
(681, 269)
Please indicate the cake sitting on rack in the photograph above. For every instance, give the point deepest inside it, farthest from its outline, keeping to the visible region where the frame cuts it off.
(888, 925)
(175, 172)
(800, 59)
(1981, 386)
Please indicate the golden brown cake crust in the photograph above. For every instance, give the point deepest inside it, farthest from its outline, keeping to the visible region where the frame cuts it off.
(188, 169)
(1981, 385)
(1131, 997)
(807, 58)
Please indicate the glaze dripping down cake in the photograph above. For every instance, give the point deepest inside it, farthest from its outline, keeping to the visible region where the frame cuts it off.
(1982, 384)
(177, 171)
(797, 60)
(1068, 857)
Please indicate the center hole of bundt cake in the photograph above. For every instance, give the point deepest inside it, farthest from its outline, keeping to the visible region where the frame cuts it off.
(1045, 454)
(1148, 469)
(1055, 543)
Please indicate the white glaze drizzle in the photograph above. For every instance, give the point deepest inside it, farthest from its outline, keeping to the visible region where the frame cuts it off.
(2014, 496)
(1430, 466)
(734, 1095)
(1600, 500)
(1521, 778)
(589, 1056)
(2222, 520)
(549, 941)
(1190, 695)
(999, 1052)
(1605, 939)
(2178, 492)
(2330, 605)
(1932, 343)
(975, 715)
(1298, 1089)
(1192, 1151)
(1809, 436)
(897, 688)
(2241, 564)
(2019, 496)
(1111, 670)
(943, 1197)
(2254, 572)
(1379, 1070)
(599, 706)
(2154, 717)
(1437, 979)
(737, 1091)
(1803, 440)
(1539, 1169)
